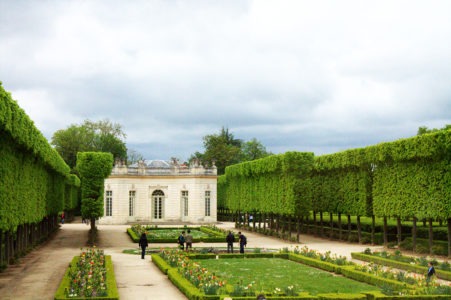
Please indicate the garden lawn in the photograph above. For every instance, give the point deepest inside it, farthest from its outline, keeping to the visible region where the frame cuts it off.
(267, 274)
(173, 233)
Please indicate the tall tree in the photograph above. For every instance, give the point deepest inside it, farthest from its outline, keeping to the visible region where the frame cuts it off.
(252, 150)
(93, 168)
(222, 149)
(101, 136)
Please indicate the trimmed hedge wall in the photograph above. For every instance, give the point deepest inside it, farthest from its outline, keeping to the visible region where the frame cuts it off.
(405, 179)
(35, 184)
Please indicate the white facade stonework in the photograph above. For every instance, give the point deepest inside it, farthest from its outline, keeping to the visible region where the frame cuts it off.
(160, 192)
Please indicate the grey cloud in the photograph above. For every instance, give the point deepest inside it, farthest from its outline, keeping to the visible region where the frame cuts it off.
(304, 76)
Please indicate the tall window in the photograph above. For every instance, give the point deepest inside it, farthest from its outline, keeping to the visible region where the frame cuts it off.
(131, 203)
(158, 204)
(207, 203)
(109, 203)
(185, 202)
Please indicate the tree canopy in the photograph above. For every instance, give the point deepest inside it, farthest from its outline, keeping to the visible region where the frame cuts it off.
(100, 136)
(224, 149)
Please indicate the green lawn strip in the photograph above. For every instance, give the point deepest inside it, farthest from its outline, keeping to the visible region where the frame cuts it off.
(170, 235)
(267, 274)
(64, 286)
(445, 275)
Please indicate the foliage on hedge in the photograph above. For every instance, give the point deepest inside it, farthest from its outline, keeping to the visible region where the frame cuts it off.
(267, 184)
(34, 179)
(111, 284)
(185, 286)
(323, 265)
(93, 168)
(351, 272)
(160, 263)
(400, 265)
(405, 178)
(15, 122)
(221, 191)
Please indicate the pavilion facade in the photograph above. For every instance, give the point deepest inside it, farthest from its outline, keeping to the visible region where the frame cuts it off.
(158, 192)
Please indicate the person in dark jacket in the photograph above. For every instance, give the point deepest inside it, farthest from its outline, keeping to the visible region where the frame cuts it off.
(143, 244)
(243, 241)
(181, 240)
(431, 272)
(230, 239)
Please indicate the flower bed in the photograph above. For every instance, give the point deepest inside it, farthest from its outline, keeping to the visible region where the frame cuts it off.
(89, 275)
(417, 265)
(206, 234)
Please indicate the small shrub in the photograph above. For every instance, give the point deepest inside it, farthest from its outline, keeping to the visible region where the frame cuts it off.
(439, 250)
(445, 266)
(422, 249)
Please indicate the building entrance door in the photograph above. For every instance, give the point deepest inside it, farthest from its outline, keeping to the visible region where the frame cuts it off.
(158, 205)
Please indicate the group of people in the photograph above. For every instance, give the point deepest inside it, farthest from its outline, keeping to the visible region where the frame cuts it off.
(230, 239)
(185, 241)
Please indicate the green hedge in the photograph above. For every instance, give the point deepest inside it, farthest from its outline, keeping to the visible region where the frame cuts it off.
(405, 178)
(160, 263)
(34, 179)
(218, 237)
(400, 265)
(111, 284)
(327, 266)
(351, 272)
(185, 286)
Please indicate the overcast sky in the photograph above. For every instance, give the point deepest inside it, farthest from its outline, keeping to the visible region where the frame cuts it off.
(319, 76)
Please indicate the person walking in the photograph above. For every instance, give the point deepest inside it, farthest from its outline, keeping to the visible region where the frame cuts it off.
(230, 239)
(63, 216)
(143, 244)
(431, 272)
(188, 241)
(181, 240)
(243, 241)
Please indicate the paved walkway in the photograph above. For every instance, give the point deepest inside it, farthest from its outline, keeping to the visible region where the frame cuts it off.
(39, 274)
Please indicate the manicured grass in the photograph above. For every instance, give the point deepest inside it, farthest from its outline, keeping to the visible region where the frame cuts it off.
(174, 233)
(271, 273)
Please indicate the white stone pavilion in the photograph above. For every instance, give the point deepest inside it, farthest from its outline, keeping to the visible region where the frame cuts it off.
(158, 192)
